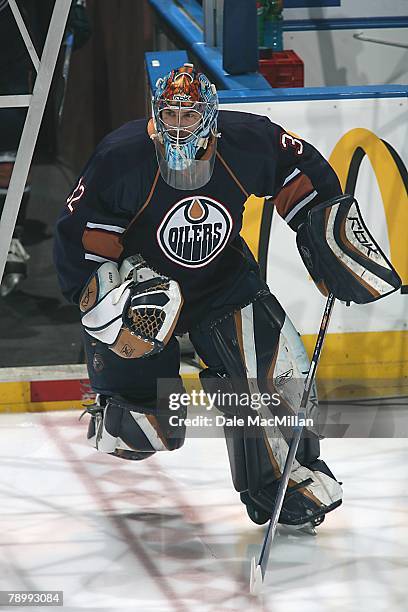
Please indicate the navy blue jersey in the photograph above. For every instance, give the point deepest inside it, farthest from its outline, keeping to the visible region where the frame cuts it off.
(121, 206)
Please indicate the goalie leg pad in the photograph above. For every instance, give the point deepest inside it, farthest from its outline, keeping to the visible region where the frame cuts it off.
(129, 425)
(132, 430)
(257, 348)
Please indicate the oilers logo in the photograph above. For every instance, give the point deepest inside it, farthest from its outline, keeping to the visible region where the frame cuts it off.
(194, 231)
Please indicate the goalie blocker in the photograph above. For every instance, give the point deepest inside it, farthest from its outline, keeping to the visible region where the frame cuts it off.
(341, 254)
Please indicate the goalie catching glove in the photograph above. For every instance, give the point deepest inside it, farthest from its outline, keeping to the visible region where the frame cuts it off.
(341, 255)
(133, 310)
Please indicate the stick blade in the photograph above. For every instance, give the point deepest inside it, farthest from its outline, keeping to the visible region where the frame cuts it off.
(256, 580)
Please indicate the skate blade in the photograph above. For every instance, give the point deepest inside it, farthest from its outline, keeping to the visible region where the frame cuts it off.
(307, 529)
(256, 581)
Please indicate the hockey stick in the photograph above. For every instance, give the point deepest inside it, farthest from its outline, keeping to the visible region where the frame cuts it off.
(258, 571)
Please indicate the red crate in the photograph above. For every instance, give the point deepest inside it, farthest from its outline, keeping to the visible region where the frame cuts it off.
(282, 68)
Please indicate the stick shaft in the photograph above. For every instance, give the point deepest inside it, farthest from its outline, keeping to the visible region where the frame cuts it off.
(294, 443)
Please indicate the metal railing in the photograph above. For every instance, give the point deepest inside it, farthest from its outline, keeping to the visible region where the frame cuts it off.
(213, 22)
(35, 102)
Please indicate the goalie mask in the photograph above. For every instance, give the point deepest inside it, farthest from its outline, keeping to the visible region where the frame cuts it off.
(185, 110)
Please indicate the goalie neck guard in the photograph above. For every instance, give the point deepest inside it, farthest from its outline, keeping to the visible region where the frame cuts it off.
(185, 110)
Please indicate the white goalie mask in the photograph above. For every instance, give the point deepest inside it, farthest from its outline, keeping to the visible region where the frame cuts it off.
(185, 110)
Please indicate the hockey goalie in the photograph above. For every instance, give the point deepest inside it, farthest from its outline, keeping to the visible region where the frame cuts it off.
(149, 247)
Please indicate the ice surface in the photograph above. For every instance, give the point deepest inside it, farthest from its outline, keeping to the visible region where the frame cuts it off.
(170, 534)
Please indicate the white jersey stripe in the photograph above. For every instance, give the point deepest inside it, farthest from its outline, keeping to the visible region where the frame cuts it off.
(96, 258)
(287, 180)
(107, 228)
(300, 205)
(291, 176)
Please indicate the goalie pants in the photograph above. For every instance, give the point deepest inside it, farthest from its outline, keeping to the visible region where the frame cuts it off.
(219, 342)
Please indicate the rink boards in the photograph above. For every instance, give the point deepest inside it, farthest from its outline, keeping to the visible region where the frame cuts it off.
(365, 140)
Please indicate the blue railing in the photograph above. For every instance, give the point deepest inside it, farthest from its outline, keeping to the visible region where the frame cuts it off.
(185, 19)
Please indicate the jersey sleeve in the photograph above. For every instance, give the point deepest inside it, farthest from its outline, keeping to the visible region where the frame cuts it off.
(89, 230)
(302, 179)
